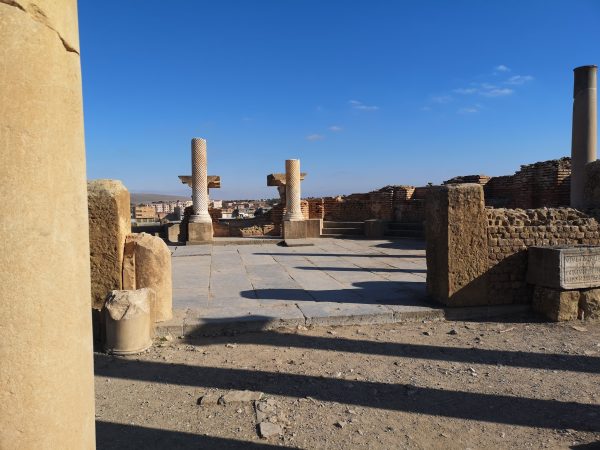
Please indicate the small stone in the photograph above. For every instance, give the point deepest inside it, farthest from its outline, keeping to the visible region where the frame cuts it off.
(239, 410)
(331, 332)
(231, 345)
(167, 338)
(210, 398)
(240, 397)
(361, 432)
(268, 429)
(578, 328)
(341, 424)
(301, 328)
(351, 411)
(427, 333)
(453, 331)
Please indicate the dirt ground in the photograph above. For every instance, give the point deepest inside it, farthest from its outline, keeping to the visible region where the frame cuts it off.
(412, 385)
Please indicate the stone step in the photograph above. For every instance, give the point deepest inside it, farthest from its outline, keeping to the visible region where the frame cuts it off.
(345, 231)
(341, 236)
(333, 224)
(405, 233)
(405, 226)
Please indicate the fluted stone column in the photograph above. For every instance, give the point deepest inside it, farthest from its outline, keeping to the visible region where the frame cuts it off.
(292, 190)
(585, 129)
(199, 182)
(46, 359)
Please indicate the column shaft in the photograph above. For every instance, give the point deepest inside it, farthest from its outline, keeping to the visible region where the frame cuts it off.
(292, 190)
(585, 131)
(46, 359)
(199, 182)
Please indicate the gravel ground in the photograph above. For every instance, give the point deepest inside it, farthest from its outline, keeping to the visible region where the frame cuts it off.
(438, 384)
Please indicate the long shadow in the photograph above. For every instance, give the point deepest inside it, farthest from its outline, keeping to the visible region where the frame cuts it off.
(363, 269)
(398, 397)
(117, 436)
(408, 293)
(528, 360)
(344, 255)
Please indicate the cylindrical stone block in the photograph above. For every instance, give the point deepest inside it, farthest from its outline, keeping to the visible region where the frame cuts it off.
(46, 359)
(292, 190)
(585, 129)
(199, 182)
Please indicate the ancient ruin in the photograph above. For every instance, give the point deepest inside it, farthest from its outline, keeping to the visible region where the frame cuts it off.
(370, 335)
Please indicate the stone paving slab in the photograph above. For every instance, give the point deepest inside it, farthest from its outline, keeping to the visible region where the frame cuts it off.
(235, 288)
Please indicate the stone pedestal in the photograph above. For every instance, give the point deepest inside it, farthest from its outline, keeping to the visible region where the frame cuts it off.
(46, 364)
(302, 229)
(457, 246)
(199, 233)
(556, 305)
(374, 228)
(585, 130)
(564, 267)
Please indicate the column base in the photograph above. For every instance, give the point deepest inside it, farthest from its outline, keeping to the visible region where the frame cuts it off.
(302, 229)
(199, 233)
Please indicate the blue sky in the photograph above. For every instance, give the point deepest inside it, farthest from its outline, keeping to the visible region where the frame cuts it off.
(365, 93)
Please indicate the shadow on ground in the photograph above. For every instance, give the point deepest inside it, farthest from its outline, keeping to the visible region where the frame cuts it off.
(114, 436)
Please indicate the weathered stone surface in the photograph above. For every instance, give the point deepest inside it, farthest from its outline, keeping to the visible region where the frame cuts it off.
(268, 429)
(589, 304)
(110, 223)
(151, 268)
(374, 228)
(128, 321)
(240, 397)
(556, 305)
(591, 184)
(457, 255)
(564, 267)
(302, 229)
(199, 233)
(46, 366)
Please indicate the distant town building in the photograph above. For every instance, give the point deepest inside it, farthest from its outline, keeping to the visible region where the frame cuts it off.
(143, 213)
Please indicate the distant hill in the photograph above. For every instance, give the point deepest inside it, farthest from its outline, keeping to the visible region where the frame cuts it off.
(144, 197)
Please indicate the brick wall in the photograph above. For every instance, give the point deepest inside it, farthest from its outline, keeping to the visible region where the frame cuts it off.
(511, 231)
(545, 183)
(505, 235)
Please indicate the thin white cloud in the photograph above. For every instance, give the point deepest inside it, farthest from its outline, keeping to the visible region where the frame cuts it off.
(497, 92)
(315, 137)
(335, 128)
(441, 99)
(502, 68)
(362, 107)
(469, 109)
(465, 91)
(519, 79)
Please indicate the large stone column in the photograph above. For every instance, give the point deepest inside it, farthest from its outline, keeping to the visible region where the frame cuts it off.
(585, 129)
(46, 365)
(292, 190)
(199, 182)
(200, 225)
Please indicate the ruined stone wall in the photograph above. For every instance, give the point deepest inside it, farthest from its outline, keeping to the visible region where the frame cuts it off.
(511, 231)
(545, 183)
(456, 234)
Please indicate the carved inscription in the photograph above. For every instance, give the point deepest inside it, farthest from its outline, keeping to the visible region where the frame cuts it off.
(579, 270)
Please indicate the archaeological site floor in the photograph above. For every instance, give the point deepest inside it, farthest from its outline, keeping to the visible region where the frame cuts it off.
(420, 384)
(222, 288)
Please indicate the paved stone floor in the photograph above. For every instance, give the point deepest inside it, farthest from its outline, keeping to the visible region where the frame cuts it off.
(333, 282)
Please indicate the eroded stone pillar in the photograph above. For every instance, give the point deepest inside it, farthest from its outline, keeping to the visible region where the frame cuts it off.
(585, 131)
(199, 182)
(46, 365)
(292, 190)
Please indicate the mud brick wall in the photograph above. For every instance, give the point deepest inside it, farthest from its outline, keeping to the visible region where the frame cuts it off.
(409, 204)
(545, 183)
(456, 233)
(511, 231)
